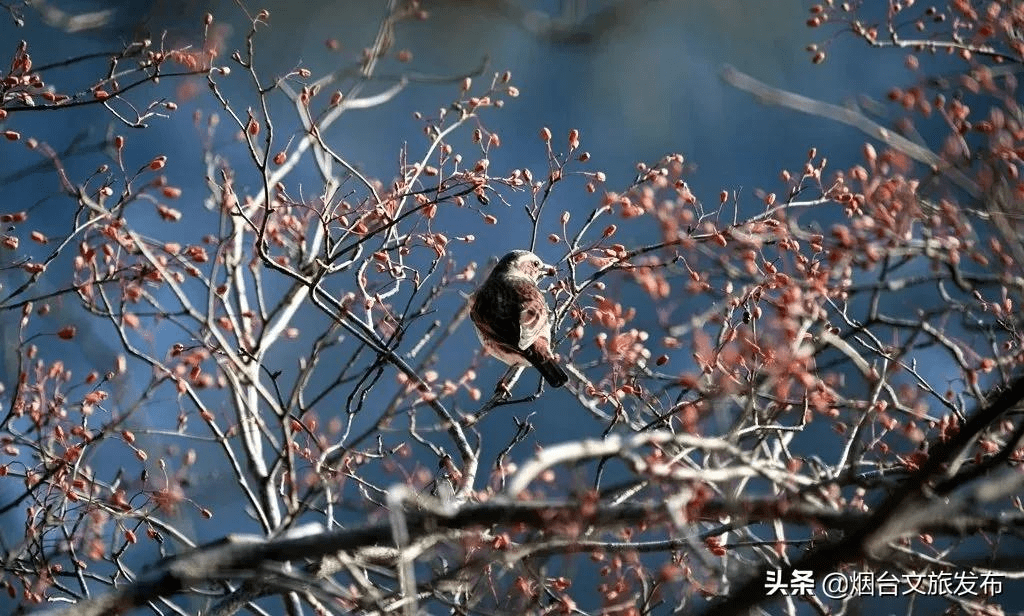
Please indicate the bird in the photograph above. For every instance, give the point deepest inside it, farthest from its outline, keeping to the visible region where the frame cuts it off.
(512, 318)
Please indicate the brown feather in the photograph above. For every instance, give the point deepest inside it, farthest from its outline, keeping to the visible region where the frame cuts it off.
(513, 320)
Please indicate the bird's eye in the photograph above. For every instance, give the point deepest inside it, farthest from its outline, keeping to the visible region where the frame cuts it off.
(536, 263)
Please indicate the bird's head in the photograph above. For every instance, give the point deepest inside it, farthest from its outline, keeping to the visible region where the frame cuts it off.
(524, 264)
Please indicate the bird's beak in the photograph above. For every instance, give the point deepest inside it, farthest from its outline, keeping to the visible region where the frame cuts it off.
(548, 270)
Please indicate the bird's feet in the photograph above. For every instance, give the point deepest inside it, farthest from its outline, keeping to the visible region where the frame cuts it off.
(503, 389)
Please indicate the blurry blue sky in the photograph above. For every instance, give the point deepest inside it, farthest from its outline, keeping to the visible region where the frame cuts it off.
(644, 83)
(638, 79)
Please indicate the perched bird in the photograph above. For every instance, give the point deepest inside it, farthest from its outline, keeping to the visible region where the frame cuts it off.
(512, 318)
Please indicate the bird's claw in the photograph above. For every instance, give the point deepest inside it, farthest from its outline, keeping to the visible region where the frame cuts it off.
(503, 390)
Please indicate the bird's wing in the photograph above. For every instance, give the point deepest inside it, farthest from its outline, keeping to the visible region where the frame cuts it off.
(512, 313)
(533, 315)
(494, 313)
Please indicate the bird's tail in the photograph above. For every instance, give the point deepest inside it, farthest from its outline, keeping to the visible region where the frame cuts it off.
(551, 371)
